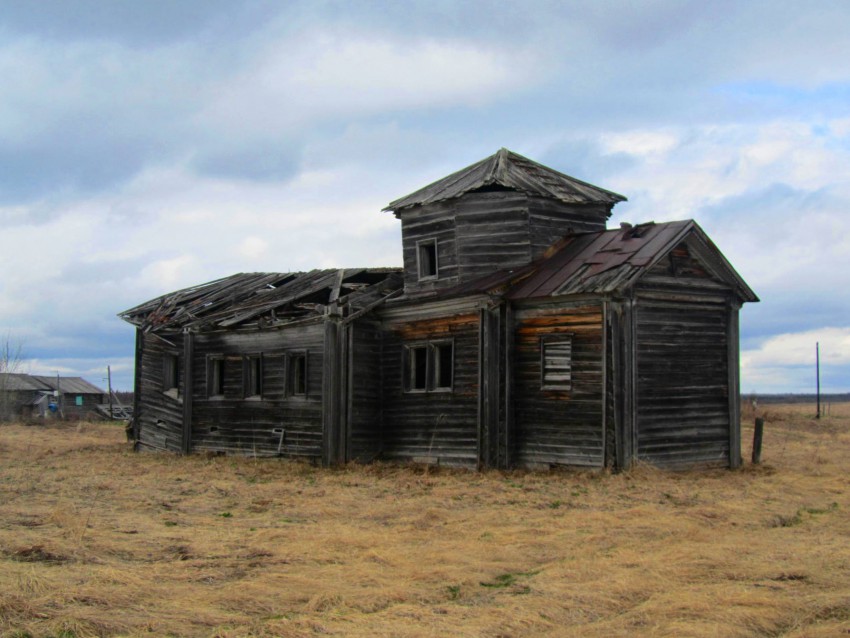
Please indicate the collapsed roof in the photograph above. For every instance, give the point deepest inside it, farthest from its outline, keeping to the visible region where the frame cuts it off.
(266, 299)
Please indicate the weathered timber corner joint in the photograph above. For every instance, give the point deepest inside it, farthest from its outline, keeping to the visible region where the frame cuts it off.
(520, 331)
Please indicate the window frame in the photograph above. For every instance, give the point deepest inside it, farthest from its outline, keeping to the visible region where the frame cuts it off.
(215, 376)
(252, 375)
(431, 351)
(426, 244)
(291, 378)
(556, 340)
(171, 373)
(409, 366)
(435, 347)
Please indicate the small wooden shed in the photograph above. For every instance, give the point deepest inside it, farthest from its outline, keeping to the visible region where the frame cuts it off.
(519, 332)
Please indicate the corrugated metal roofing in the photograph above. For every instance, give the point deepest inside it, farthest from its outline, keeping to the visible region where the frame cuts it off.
(509, 170)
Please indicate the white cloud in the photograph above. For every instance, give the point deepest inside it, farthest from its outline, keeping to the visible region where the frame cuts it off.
(799, 349)
(324, 74)
(787, 362)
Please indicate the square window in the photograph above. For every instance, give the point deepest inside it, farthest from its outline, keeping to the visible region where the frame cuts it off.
(556, 362)
(426, 258)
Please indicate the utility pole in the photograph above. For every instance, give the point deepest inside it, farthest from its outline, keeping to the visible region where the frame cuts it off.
(817, 374)
(109, 385)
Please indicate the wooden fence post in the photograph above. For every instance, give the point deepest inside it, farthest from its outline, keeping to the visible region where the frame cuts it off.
(758, 433)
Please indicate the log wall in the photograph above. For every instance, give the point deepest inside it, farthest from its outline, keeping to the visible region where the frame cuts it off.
(364, 394)
(276, 423)
(440, 426)
(559, 427)
(682, 349)
(158, 415)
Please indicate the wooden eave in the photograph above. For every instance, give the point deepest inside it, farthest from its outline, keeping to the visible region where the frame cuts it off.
(508, 170)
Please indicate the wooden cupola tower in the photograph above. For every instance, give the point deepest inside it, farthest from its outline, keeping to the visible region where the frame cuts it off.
(501, 212)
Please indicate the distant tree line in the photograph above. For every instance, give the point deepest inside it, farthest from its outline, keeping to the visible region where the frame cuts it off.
(838, 397)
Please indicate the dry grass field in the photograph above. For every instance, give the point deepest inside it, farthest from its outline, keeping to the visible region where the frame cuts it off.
(98, 541)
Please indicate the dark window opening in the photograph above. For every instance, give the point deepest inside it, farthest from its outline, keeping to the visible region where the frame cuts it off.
(215, 377)
(443, 366)
(419, 368)
(253, 376)
(427, 258)
(170, 372)
(556, 363)
(299, 374)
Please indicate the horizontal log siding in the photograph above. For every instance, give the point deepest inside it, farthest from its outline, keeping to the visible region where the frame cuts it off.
(549, 220)
(559, 427)
(682, 366)
(365, 391)
(436, 221)
(492, 233)
(160, 415)
(442, 426)
(237, 425)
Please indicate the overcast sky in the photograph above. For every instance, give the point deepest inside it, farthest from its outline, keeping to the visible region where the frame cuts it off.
(147, 146)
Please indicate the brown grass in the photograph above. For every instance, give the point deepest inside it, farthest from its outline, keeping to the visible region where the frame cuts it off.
(98, 541)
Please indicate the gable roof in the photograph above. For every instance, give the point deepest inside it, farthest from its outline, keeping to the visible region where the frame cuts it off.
(273, 298)
(509, 170)
(69, 385)
(612, 260)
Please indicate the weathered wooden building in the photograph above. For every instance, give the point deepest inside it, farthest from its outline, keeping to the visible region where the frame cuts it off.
(28, 397)
(519, 332)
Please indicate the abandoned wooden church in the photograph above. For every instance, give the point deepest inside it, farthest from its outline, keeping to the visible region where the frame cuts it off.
(520, 332)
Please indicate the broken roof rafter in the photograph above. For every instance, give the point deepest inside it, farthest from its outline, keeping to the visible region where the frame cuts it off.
(279, 297)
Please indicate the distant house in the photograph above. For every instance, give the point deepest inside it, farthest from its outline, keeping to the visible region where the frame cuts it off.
(519, 332)
(27, 397)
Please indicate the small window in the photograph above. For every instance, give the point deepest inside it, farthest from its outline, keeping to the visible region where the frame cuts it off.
(215, 377)
(170, 372)
(428, 366)
(557, 359)
(426, 257)
(443, 365)
(252, 375)
(298, 374)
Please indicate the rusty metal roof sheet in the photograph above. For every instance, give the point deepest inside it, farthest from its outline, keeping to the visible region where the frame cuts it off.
(269, 298)
(611, 260)
(509, 170)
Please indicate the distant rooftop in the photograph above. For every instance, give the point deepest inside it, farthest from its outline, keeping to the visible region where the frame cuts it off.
(69, 385)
